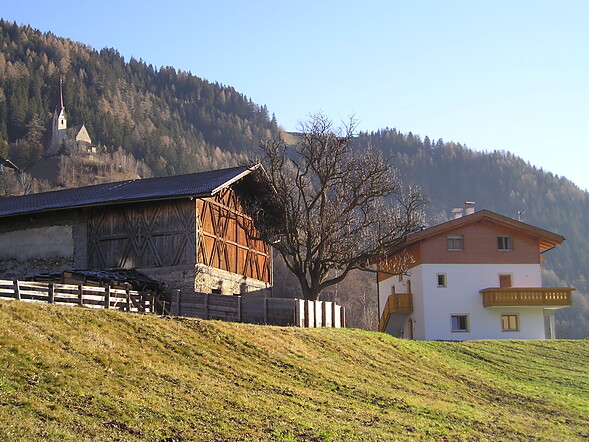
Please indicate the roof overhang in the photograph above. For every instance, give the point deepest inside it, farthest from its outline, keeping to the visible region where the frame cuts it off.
(197, 185)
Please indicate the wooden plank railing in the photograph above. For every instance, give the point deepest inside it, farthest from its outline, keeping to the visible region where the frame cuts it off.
(82, 295)
(396, 303)
(272, 311)
(527, 296)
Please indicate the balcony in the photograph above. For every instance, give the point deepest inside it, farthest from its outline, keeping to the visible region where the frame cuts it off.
(548, 297)
(397, 303)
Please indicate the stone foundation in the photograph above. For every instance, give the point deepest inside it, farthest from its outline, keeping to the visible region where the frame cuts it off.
(172, 278)
(203, 279)
(211, 280)
(13, 268)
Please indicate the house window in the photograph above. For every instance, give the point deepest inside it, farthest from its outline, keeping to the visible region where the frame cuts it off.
(459, 323)
(455, 242)
(504, 242)
(509, 323)
(441, 278)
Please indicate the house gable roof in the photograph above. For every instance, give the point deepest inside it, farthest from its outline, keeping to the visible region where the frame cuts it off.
(198, 185)
(546, 239)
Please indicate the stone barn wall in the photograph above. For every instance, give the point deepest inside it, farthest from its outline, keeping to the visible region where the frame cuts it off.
(44, 242)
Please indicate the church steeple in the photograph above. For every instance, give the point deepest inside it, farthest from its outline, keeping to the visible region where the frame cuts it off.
(59, 126)
(59, 106)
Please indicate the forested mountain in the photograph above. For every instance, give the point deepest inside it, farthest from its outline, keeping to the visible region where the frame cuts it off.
(176, 122)
(172, 120)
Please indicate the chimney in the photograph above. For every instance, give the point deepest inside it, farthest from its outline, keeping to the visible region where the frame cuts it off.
(456, 213)
(469, 207)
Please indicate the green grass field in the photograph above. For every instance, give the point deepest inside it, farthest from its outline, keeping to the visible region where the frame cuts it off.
(69, 373)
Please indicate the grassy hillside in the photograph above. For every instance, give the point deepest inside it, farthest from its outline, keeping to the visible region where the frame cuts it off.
(68, 373)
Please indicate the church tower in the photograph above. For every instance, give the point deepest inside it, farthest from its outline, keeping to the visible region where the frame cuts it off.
(59, 126)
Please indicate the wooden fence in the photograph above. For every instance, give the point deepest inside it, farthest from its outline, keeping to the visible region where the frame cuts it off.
(82, 295)
(273, 311)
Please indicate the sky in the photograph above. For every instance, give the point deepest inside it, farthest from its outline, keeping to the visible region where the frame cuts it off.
(507, 75)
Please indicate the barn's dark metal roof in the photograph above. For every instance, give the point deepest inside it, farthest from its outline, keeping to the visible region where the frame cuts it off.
(200, 184)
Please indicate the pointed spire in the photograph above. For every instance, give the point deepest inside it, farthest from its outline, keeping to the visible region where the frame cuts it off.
(60, 103)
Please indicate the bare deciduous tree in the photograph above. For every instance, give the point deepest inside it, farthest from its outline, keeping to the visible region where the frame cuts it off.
(341, 207)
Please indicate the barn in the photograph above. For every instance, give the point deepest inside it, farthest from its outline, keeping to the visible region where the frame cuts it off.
(190, 232)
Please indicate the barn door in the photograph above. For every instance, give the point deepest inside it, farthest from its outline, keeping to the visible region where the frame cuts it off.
(142, 235)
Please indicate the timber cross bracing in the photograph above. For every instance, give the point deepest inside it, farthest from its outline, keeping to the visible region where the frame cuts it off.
(226, 238)
(142, 235)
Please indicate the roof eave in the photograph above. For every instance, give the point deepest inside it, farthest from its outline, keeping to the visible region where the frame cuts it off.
(109, 203)
(233, 180)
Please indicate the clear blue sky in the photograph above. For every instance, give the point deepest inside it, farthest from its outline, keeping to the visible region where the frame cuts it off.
(494, 75)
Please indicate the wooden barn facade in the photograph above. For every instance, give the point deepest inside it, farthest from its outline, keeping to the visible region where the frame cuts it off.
(190, 232)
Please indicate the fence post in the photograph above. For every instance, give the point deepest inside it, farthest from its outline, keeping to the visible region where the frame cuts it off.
(107, 296)
(239, 309)
(326, 314)
(178, 302)
(80, 295)
(51, 293)
(265, 311)
(300, 312)
(334, 315)
(128, 294)
(206, 306)
(318, 313)
(16, 290)
(309, 313)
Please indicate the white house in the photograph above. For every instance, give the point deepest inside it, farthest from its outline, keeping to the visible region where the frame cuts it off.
(477, 276)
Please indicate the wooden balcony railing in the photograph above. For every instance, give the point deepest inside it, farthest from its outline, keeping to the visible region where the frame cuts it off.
(554, 297)
(397, 303)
